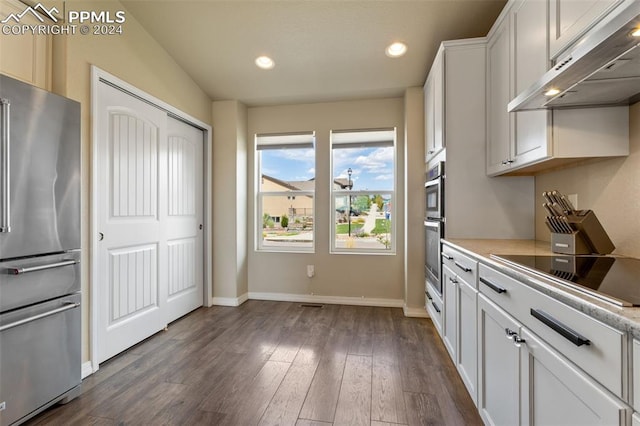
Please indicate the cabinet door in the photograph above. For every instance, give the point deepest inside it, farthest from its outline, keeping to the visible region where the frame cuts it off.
(467, 359)
(438, 102)
(429, 149)
(498, 96)
(26, 57)
(450, 314)
(499, 366)
(530, 60)
(569, 19)
(554, 391)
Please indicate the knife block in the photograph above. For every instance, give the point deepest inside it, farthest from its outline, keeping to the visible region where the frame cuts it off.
(589, 237)
(569, 243)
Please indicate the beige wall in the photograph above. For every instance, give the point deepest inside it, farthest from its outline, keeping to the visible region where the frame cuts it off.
(414, 197)
(369, 276)
(230, 201)
(136, 58)
(611, 188)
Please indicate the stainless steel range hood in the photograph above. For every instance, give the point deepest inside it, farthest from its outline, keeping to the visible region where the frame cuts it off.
(603, 69)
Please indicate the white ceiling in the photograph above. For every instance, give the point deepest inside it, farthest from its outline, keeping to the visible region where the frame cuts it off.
(324, 50)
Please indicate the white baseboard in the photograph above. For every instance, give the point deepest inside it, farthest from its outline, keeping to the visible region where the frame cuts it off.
(331, 300)
(87, 369)
(415, 312)
(230, 301)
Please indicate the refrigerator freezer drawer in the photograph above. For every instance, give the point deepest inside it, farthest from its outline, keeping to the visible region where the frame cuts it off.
(35, 279)
(40, 356)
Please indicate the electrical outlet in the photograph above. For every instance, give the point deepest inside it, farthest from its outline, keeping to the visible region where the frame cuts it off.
(573, 199)
(311, 271)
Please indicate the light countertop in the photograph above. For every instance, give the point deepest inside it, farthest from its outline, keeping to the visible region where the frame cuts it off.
(621, 318)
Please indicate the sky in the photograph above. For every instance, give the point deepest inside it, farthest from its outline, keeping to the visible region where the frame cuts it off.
(372, 168)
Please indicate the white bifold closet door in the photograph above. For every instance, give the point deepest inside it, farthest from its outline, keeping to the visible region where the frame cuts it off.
(149, 175)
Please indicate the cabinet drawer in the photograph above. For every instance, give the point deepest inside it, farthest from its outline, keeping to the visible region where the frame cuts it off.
(433, 304)
(593, 346)
(463, 266)
(636, 375)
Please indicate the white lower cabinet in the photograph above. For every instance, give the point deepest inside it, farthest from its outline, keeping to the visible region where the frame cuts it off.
(499, 365)
(449, 321)
(635, 420)
(525, 381)
(467, 353)
(555, 392)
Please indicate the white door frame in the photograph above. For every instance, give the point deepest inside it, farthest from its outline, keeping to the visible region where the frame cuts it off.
(98, 75)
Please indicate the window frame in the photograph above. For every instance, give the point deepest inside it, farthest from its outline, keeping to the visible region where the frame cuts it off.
(259, 195)
(334, 193)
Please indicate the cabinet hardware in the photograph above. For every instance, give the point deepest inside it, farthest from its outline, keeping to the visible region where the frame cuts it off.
(518, 341)
(431, 151)
(435, 306)
(493, 286)
(510, 333)
(464, 268)
(446, 256)
(566, 332)
(428, 295)
(453, 280)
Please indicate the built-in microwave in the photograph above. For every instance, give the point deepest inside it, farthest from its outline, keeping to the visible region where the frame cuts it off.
(434, 193)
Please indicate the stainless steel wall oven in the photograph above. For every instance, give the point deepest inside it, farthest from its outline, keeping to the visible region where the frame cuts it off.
(434, 225)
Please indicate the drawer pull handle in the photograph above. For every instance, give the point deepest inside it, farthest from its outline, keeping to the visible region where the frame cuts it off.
(518, 341)
(27, 269)
(560, 328)
(446, 256)
(435, 306)
(493, 287)
(65, 307)
(464, 268)
(428, 295)
(453, 280)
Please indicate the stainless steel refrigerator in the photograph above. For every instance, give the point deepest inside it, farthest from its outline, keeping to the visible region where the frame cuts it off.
(40, 349)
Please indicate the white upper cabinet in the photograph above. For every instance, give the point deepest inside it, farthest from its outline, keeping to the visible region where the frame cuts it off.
(531, 141)
(26, 56)
(570, 19)
(434, 107)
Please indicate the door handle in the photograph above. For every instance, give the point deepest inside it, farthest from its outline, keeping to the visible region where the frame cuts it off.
(5, 171)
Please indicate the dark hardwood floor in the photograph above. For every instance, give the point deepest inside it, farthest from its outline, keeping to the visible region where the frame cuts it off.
(277, 363)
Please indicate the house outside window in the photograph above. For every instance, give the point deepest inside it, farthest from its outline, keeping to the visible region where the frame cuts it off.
(285, 207)
(363, 204)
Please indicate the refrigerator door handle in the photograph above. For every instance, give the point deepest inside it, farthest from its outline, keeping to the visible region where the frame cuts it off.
(26, 269)
(5, 199)
(65, 307)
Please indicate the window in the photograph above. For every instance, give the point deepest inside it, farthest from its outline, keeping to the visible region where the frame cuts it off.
(286, 186)
(363, 190)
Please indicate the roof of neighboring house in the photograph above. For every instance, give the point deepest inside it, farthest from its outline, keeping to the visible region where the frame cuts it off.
(304, 185)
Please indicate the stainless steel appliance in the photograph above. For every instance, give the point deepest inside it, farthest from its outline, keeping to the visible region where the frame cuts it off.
(612, 279)
(40, 352)
(434, 226)
(602, 69)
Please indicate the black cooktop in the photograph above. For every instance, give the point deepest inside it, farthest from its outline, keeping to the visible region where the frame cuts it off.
(614, 279)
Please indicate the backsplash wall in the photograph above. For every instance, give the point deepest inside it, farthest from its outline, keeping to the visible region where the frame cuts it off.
(611, 188)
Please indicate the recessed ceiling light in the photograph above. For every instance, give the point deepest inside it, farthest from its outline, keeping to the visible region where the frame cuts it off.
(551, 92)
(636, 32)
(395, 50)
(265, 62)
